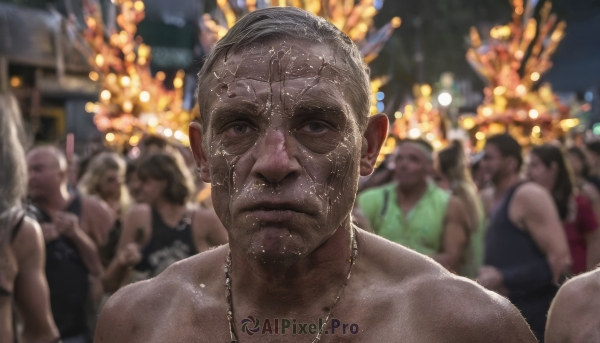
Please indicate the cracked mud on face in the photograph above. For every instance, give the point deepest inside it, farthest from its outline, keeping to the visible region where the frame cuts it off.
(283, 145)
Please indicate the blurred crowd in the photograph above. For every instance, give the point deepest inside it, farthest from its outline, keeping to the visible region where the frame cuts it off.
(518, 222)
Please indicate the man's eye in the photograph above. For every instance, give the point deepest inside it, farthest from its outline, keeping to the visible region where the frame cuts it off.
(239, 129)
(314, 127)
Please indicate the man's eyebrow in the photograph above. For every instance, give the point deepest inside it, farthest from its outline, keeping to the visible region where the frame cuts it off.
(324, 107)
(236, 108)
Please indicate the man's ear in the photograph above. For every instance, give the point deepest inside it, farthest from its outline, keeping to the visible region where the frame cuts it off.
(195, 132)
(374, 137)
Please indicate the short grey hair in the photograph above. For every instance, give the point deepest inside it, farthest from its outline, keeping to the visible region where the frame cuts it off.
(291, 22)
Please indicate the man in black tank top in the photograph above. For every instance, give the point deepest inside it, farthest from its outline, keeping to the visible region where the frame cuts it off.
(71, 256)
(526, 251)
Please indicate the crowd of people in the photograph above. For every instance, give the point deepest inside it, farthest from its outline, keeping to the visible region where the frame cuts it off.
(531, 225)
(101, 230)
(518, 223)
(520, 234)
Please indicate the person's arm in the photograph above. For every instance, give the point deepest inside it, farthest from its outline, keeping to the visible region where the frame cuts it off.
(119, 267)
(98, 218)
(454, 237)
(128, 249)
(67, 225)
(534, 208)
(32, 297)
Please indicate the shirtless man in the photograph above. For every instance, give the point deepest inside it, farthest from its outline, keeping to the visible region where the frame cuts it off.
(573, 317)
(285, 135)
(73, 226)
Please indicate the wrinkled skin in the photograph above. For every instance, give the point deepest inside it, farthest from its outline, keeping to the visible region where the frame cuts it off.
(283, 157)
(283, 151)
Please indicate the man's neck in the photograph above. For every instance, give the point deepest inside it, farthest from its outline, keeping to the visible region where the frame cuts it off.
(504, 184)
(56, 201)
(171, 213)
(408, 197)
(305, 287)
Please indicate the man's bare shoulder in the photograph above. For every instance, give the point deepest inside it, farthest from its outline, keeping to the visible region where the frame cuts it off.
(529, 192)
(29, 241)
(443, 304)
(194, 284)
(95, 205)
(579, 287)
(573, 316)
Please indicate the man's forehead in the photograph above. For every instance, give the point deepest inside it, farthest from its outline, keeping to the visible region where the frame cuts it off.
(42, 157)
(279, 60)
(278, 76)
(412, 148)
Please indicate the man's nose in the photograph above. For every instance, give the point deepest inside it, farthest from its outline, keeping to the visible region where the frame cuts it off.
(274, 162)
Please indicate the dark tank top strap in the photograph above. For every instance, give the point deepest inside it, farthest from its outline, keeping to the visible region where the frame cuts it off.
(75, 206)
(504, 205)
(17, 227)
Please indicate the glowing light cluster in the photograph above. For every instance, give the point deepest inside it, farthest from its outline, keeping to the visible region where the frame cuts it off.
(511, 63)
(132, 101)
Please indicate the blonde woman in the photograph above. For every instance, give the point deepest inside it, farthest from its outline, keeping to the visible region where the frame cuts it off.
(105, 179)
(453, 175)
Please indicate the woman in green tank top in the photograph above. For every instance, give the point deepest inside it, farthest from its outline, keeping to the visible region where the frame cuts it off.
(453, 175)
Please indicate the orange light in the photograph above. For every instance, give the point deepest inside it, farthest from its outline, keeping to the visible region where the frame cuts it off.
(139, 6)
(15, 81)
(99, 60)
(144, 96)
(134, 140)
(178, 82)
(127, 106)
(94, 76)
(533, 113)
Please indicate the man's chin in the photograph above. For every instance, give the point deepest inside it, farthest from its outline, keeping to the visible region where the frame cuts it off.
(275, 244)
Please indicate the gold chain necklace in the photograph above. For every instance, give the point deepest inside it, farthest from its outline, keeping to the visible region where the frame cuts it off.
(351, 260)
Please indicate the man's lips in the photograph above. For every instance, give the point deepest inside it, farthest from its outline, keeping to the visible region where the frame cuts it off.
(275, 212)
(273, 216)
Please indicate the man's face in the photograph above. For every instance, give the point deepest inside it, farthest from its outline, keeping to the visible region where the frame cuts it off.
(493, 164)
(412, 165)
(283, 147)
(45, 176)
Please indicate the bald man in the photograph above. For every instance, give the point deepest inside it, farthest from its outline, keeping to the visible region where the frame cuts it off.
(73, 226)
(573, 316)
(414, 212)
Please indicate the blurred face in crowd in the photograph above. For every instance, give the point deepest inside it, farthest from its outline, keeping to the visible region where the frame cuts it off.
(282, 147)
(44, 174)
(576, 163)
(151, 190)
(413, 166)
(539, 173)
(494, 165)
(110, 184)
